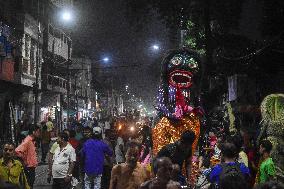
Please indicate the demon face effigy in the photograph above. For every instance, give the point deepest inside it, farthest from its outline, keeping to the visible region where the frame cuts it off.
(179, 89)
(181, 71)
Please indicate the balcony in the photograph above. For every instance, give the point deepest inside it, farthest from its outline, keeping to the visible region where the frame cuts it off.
(58, 42)
(54, 83)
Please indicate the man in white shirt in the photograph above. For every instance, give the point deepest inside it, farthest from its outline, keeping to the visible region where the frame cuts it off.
(62, 163)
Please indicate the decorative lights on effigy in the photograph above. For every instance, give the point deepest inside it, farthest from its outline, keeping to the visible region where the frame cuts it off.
(167, 132)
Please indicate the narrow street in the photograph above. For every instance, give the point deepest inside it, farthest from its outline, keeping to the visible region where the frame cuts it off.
(142, 94)
(41, 178)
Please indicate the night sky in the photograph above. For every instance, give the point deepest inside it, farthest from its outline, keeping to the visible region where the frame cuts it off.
(106, 28)
(110, 28)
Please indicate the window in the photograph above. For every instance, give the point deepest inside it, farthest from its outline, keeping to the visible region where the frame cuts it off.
(51, 30)
(56, 81)
(25, 66)
(27, 45)
(49, 79)
(62, 39)
(32, 57)
(57, 33)
(60, 82)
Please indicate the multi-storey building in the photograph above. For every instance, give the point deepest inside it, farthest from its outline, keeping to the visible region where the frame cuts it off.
(21, 58)
(57, 48)
(81, 87)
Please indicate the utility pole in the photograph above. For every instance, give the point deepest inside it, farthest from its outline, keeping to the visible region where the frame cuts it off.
(68, 82)
(76, 98)
(183, 29)
(36, 84)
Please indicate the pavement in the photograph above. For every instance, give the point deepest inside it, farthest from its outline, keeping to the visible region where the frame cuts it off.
(41, 177)
(42, 174)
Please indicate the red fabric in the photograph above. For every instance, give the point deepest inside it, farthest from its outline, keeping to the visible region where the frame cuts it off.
(7, 72)
(180, 100)
(74, 143)
(213, 141)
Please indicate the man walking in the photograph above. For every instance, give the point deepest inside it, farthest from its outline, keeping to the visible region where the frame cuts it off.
(45, 140)
(267, 168)
(180, 151)
(230, 167)
(131, 174)
(12, 170)
(163, 176)
(108, 162)
(93, 153)
(27, 152)
(49, 124)
(62, 163)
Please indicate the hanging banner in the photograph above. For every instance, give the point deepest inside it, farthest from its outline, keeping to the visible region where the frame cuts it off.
(7, 70)
(232, 87)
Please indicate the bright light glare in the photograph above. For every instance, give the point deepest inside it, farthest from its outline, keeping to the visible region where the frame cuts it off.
(106, 59)
(66, 15)
(119, 127)
(156, 47)
(132, 128)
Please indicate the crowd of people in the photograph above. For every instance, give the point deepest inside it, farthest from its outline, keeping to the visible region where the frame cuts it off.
(228, 164)
(89, 157)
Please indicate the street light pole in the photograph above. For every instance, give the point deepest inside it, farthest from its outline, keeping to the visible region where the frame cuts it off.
(76, 98)
(67, 17)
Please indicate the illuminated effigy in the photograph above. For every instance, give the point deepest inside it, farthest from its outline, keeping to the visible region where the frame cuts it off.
(272, 112)
(181, 72)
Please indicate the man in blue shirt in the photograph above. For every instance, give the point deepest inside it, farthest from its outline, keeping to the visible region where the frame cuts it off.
(229, 155)
(93, 153)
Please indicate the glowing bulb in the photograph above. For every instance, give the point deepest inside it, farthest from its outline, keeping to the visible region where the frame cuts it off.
(106, 59)
(66, 15)
(156, 47)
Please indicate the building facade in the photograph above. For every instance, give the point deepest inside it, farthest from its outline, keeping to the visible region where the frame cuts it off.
(21, 59)
(57, 48)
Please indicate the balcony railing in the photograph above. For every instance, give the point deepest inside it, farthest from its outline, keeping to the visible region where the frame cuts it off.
(55, 83)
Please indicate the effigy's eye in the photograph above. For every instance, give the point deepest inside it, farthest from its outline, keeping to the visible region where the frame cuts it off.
(192, 63)
(176, 60)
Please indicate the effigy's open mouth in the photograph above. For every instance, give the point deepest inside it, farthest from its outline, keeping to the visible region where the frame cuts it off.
(180, 79)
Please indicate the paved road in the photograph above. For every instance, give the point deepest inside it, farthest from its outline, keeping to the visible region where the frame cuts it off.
(41, 178)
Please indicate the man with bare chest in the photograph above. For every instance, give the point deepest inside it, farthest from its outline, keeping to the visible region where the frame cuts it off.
(129, 175)
(163, 176)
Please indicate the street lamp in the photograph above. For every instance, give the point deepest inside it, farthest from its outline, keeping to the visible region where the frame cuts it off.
(155, 47)
(106, 59)
(66, 15)
(36, 84)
